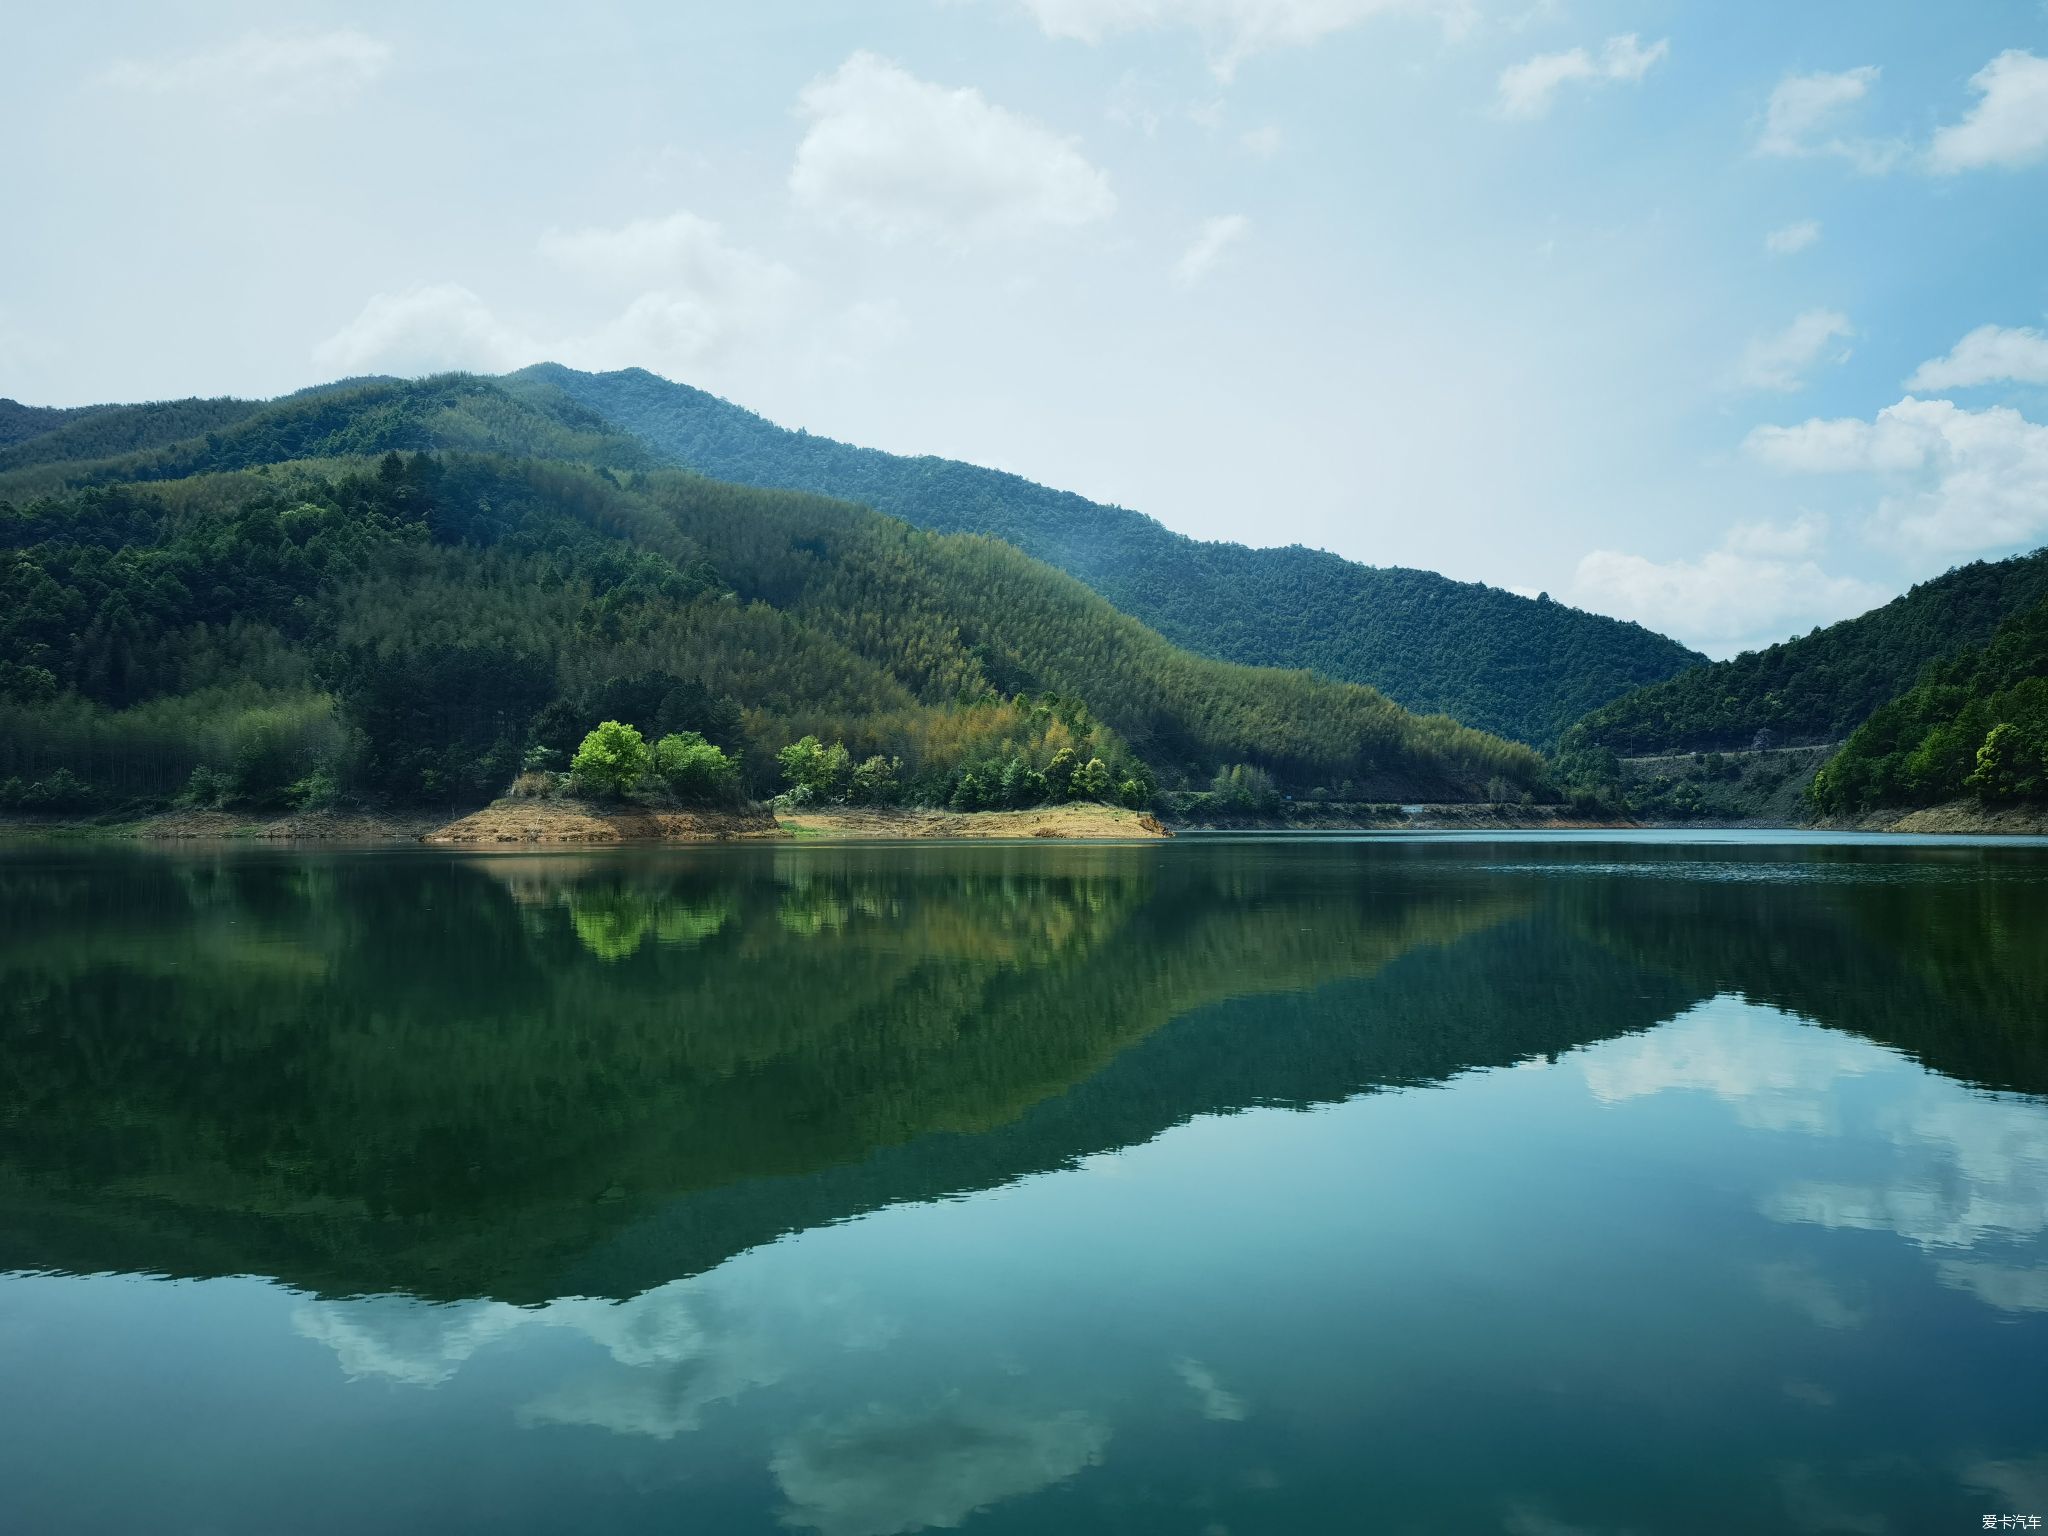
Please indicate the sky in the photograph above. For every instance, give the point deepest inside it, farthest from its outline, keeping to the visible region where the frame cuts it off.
(1728, 316)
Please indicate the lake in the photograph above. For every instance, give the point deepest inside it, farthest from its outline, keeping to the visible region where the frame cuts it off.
(1534, 1185)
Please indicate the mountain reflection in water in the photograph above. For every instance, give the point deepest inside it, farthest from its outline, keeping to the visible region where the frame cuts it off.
(614, 1118)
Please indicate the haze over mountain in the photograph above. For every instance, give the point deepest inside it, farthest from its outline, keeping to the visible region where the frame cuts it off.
(1519, 667)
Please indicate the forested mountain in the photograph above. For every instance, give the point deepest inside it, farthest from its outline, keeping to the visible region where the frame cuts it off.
(408, 590)
(1975, 724)
(19, 422)
(1519, 667)
(1820, 686)
(97, 432)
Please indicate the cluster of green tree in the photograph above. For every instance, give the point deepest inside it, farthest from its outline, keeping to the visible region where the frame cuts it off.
(816, 774)
(1519, 667)
(412, 624)
(1976, 724)
(615, 760)
(1816, 688)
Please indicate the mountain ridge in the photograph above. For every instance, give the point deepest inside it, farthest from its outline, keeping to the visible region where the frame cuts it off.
(1519, 667)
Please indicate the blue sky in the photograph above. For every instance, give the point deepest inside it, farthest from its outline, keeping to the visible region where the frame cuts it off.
(1725, 317)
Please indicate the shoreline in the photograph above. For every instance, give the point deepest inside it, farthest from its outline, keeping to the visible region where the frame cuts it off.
(508, 823)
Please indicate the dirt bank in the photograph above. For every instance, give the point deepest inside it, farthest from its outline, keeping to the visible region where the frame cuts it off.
(1958, 816)
(1079, 821)
(297, 827)
(576, 821)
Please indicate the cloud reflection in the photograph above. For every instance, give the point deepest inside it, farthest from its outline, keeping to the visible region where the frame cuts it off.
(883, 1471)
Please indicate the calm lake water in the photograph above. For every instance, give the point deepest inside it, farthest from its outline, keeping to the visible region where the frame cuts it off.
(1428, 1185)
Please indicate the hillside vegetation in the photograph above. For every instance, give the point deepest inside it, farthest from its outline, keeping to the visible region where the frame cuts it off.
(1520, 667)
(416, 590)
(1818, 687)
(1975, 725)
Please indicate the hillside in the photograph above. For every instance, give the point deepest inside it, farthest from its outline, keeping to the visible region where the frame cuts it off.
(20, 422)
(1975, 725)
(1821, 686)
(1519, 667)
(408, 590)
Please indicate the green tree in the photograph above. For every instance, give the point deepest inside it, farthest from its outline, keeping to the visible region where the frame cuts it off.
(1245, 789)
(612, 760)
(875, 781)
(815, 771)
(2009, 764)
(1059, 775)
(695, 770)
(1091, 780)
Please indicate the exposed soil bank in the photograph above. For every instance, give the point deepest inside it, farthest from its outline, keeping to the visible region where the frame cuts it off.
(577, 821)
(368, 827)
(1965, 816)
(1073, 821)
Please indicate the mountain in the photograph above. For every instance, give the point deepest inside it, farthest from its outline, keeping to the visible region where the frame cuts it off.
(400, 589)
(1975, 724)
(20, 422)
(1821, 686)
(1519, 667)
(104, 432)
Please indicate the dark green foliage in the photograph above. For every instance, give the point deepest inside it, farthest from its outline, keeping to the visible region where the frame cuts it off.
(440, 719)
(19, 423)
(1823, 685)
(1244, 790)
(104, 431)
(414, 625)
(1975, 724)
(1502, 663)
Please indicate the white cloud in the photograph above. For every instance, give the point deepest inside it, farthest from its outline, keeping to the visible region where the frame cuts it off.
(1527, 90)
(1212, 1399)
(2008, 127)
(1793, 238)
(883, 1471)
(1809, 1291)
(430, 329)
(904, 159)
(264, 72)
(698, 296)
(1991, 354)
(681, 250)
(1263, 142)
(1804, 535)
(1775, 1072)
(1759, 586)
(1782, 361)
(1805, 115)
(1962, 481)
(1235, 30)
(2008, 1287)
(695, 306)
(1210, 244)
(1970, 1170)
